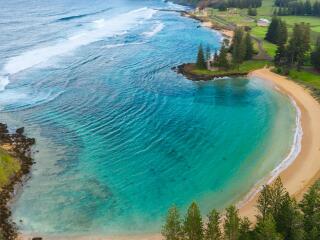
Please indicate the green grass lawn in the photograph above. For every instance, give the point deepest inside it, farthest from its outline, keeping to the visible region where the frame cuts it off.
(306, 77)
(291, 20)
(8, 167)
(270, 48)
(245, 67)
(310, 80)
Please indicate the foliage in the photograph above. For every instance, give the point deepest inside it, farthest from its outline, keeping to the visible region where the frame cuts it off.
(244, 3)
(298, 8)
(212, 231)
(245, 229)
(252, 12)
(266, 229)
(232, 224)
(221, 61)
(248, 47)
(310, 206)
(315, 56)
(299, 44)
(277, 32)
(201, 62)
(238, 47)
(8, 167)
(280, 218)
(172, 229)
(193, 226)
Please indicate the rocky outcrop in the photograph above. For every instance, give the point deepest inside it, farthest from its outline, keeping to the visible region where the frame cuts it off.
(18, 146)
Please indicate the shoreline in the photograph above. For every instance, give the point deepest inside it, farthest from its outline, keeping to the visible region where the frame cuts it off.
(18, 147)
(300, 173)
(304, 170)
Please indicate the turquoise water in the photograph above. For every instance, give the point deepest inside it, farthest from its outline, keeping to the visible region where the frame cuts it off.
(121, 137)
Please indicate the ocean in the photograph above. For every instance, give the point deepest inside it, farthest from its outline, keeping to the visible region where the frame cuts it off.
(120, 136)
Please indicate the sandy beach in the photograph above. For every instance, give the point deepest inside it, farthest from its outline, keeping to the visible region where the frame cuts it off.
(296, 178)
(306, 168)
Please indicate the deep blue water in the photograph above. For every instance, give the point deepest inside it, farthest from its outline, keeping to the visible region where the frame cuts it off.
(121, 137)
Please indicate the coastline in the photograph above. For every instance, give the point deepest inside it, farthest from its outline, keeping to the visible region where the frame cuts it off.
(296, 177)
(17, 146)
(304, 170)
(301, 172)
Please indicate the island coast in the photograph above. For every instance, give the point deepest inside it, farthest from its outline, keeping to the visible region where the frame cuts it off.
(305, 169)
(296, 178)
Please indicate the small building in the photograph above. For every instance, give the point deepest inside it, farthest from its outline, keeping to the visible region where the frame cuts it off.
(262, 22)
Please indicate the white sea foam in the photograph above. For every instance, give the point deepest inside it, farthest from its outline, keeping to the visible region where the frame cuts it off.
(293, 154)
(175, 6)
(155, 29)
(123, 44)
(102, 28)
(4, 81)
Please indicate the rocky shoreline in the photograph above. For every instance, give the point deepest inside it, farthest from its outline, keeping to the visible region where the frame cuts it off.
(18, 146)
(186, 69)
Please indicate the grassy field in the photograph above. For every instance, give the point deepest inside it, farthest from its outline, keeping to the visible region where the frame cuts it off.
(8, 167)
(240, 17)
(245, 67)
(310, 80)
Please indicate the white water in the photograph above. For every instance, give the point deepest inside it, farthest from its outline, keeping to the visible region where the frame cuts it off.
(156, 29)
(102, 28)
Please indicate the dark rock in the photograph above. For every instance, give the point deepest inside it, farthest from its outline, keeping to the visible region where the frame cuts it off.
(21, 150)
(20, 131)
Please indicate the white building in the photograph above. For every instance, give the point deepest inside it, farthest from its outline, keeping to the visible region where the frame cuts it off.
(262, 22)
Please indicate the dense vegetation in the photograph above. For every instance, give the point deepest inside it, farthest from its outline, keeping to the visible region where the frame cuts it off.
(277, 32)
(280, 217)
(240, 4)
(297, 8)
(240, 50)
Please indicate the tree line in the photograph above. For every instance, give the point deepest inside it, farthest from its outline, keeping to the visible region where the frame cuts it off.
(280, 217)
(298, 8)
(230, 55)
(295, 51)
(238, 4)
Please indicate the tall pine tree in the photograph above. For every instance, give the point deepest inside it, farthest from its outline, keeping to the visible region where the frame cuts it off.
(193, 226)
(212, 231)
(315, 56)
(201, 62)
(172, 229)
(232, 224)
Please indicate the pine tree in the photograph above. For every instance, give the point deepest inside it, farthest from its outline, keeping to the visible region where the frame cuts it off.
(193, 226)
(315, 56)
(231, 224)
(212, 231)
(264, 202)
(238, 47)
(221, 60)
(299, 44)
(272, 30)
(201, 63)
(281, 60)
(172, 228)
(249, 47)
(277, 31)
(266, 229)
(290, 220)
(282, 33)
(208, 53)
(277, 196)
(245, 232)
(310, 206)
